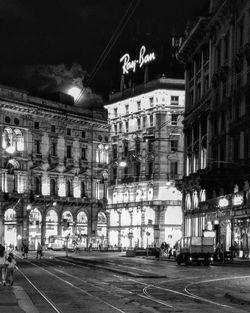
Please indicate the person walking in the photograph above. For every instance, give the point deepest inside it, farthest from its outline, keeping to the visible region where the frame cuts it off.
(3, 264)
(11, 265)
(39, 251)
(25, 251)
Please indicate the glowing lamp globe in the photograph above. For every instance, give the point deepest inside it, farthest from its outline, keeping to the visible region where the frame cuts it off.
(74, 92)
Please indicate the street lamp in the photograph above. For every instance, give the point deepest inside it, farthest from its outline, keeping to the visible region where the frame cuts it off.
(148, 234)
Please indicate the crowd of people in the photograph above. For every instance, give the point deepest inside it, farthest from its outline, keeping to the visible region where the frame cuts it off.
(169, 251)
(7, 266)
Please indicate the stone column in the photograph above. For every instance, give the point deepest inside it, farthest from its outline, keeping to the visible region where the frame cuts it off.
(157, 226)
(119, 230)
(43, 229)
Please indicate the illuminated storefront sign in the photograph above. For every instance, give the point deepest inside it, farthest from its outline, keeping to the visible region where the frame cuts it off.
(223, 202)
(238, 200)
(130, 65)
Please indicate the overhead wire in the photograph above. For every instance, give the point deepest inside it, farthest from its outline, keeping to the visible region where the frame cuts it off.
(126, 17)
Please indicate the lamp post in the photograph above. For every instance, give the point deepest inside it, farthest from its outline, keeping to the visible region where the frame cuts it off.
(148, 234)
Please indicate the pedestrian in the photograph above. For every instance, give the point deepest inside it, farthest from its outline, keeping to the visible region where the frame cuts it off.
(25, 251)
(11, 265)
(39, 251)
(3, 264)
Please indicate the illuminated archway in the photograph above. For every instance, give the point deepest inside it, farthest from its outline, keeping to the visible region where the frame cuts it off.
(101, 229)
(51, 223)
(10, 229)
(67, 228)
(82, 229)
(35, 228)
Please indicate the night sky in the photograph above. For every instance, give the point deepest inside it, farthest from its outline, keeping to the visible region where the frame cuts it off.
(47, 45)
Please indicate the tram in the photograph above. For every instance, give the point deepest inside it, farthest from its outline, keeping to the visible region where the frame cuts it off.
(57, 242)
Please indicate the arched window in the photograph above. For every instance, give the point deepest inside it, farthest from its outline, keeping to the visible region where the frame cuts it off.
(12, 140)
(101, 218)
(37, 186)
(188, 202)
(19, 140)
(102, 153)
(52, 187)
(195, 200)
(203, 196)
(82, 218)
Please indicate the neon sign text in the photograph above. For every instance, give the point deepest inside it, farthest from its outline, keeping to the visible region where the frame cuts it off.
(130, 65)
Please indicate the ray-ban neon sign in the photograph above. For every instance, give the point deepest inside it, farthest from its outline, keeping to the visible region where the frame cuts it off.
(130, 65)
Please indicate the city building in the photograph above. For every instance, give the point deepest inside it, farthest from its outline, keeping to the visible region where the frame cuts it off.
(144, 206)
(52, 184)
(215, 186)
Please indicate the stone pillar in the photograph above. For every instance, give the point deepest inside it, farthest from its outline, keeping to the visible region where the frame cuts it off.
(108, 225)
(119, 230)
(43, 230)
(162, 223)
(157, 226)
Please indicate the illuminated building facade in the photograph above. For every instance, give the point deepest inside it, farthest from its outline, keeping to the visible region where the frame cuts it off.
(216, 53)
(51, 170)
(144, 206)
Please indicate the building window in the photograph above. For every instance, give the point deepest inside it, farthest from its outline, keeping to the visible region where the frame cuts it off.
(83, 189)
(151, 102)
(16, 121)
(7, 119)
(144, 121)
(174, 118)
(36, 125)
(37, 186)
(125, 148)
(151, 120)
(115, 129)
(115, 112)
(173, 170)
(37, 147)
(127, 109)
(12, 140)
(174, 100)
(97, 190)
(150, 145)
(53, 149)
(69, 152)
(174, 145)
(53, 128)
(52, 187)
(115, 173)
(120, 127)
(83, 134)
(139, 123)
(68, 189)
(137, 147)
(83, 153)
(138, 105)
(115, 151)
(68, 132)
(150, 169)
(126, 126)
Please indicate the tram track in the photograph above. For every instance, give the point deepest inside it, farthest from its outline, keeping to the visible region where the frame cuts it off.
(147, 292)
